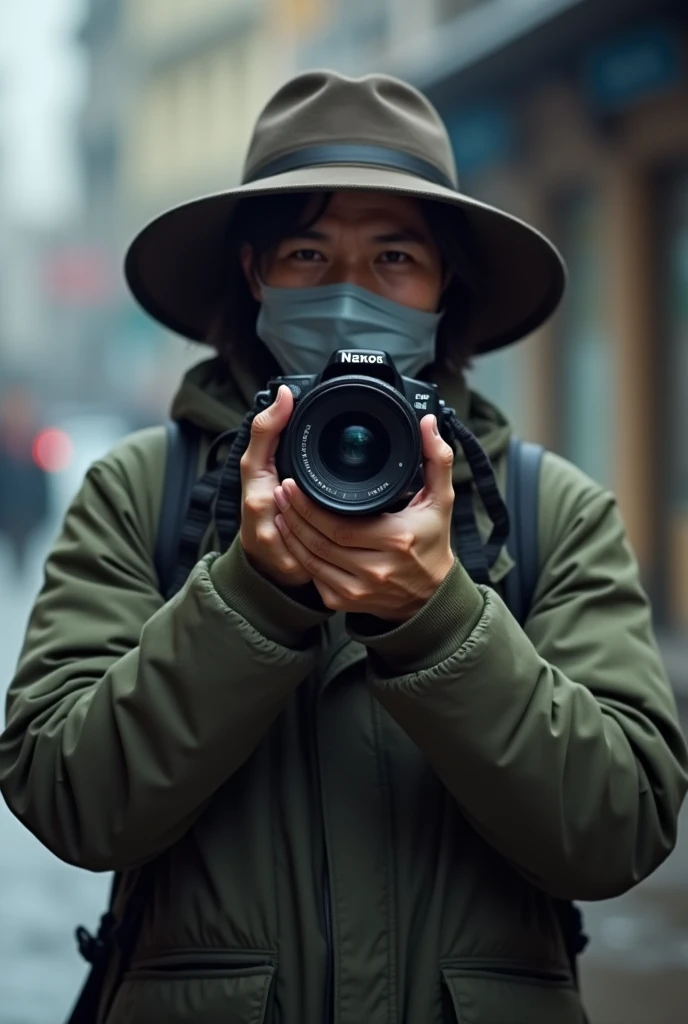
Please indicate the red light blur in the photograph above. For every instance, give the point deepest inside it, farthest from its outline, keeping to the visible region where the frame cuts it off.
(52, 450)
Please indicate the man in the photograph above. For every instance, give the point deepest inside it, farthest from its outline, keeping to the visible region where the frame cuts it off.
(357, 785)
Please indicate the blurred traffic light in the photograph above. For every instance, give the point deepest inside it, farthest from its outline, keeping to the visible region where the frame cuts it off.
(52, 450)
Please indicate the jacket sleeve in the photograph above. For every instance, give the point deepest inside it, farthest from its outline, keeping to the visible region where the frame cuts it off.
(126, 714)
(561, 743)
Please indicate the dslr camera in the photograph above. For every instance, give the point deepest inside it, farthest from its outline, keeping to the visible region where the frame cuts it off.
(353, 442)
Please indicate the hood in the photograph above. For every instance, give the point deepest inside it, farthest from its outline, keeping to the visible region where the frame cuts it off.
(216, 398)
(213, 397)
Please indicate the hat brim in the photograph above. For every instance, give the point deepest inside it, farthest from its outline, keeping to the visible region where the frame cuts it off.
(175, 266)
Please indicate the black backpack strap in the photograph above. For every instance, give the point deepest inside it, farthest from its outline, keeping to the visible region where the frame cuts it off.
(181, 470)
(522, 499)
(202, 499)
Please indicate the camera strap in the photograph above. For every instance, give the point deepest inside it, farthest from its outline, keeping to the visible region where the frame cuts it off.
(228, 504)
(476, 557)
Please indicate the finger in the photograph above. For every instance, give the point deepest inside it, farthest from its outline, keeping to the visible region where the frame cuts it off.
(266, 429)
(369, 533)
(338, 602)
(438, 463)
(267, 539)
(340, 580)
(349, 559)
(331, 599)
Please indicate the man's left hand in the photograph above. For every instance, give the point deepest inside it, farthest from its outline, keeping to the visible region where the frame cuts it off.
(388, 565)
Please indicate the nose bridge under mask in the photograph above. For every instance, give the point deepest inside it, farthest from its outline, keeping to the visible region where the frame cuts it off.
(302, 327)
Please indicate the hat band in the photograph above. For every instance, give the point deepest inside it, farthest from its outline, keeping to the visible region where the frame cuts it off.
(368, 156)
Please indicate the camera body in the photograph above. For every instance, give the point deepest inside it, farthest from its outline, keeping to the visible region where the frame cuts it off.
(353, 442)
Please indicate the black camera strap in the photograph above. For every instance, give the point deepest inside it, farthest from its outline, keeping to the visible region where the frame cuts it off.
(228, 504)
(477, 557)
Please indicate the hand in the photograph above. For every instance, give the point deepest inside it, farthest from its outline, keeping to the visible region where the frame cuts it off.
(259, 536)
(389, 565)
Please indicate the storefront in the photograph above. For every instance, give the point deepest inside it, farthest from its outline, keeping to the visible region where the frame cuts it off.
(673, 404)
(593, 149)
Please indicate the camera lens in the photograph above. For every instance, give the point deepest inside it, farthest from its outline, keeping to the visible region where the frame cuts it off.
(352, 445)
(354, 451)
(355, 446)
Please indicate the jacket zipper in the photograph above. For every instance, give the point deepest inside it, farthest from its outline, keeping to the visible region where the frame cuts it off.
(328, 1008)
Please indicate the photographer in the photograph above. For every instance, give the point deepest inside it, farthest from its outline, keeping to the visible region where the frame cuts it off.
(358, 787)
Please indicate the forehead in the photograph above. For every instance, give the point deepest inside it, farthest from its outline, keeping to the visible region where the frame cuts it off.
(355, 207)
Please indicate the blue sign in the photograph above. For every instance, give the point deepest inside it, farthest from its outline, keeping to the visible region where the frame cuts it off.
(632, 66)
(480, 138)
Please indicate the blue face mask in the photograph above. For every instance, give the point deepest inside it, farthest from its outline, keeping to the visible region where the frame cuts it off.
(302, 327)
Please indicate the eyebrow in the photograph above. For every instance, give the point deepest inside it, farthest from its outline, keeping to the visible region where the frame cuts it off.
(310, 234)
(390, 238)
(405, 235)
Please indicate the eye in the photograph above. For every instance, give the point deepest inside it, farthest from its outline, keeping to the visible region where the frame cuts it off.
(395, 257)
(307, 255)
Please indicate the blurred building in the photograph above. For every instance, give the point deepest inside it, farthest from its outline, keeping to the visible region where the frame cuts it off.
(174, 88)
(39, 333)
(573, 114)
(95, 284)
(24, 315)
(203, 68)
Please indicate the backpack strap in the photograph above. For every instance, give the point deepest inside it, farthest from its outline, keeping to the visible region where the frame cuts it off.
(522, 498)
(181, 469)
(202, 500)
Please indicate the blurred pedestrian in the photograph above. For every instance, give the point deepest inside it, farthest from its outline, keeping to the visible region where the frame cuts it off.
(341, 781)
(24, 491)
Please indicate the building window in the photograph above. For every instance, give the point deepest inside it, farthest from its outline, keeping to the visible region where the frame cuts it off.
(502, 376)
(674, 397)
(448, 9)
(585, 387)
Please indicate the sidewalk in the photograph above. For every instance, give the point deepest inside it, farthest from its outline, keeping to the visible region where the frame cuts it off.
(674, 650)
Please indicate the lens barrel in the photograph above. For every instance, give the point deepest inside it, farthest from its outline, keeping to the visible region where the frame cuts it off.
(353, 445)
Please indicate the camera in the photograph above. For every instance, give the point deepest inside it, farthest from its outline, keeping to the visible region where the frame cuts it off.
(353, 442)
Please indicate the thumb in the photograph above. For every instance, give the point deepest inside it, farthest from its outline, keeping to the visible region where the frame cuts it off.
(438, 463)
(267, 427)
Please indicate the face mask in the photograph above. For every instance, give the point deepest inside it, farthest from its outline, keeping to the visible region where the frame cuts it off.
(302, 327)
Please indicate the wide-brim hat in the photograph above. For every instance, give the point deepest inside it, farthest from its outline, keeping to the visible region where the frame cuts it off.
(325, 132)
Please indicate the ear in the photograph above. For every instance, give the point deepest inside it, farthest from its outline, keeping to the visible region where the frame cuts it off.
(249, 269)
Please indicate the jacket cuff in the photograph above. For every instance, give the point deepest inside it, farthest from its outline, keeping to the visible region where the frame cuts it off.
(435, 633)
(276, 615)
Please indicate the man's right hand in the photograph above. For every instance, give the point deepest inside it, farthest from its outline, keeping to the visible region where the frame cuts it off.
(260, 538)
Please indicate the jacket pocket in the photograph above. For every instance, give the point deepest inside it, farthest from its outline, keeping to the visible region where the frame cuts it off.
(203, 988)
(511, 994)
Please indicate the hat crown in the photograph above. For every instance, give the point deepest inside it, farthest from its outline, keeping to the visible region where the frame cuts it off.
(321, 108)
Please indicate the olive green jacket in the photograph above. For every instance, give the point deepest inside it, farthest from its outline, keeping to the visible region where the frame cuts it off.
(347, 822)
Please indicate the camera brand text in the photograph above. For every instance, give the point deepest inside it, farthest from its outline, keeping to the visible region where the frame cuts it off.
(360, 357)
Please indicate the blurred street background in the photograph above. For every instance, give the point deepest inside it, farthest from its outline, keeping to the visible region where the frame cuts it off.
(572, 114)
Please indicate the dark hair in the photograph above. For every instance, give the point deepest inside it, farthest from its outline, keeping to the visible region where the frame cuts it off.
(265, 221)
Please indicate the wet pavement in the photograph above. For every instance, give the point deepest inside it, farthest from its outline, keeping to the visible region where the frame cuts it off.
(635, 971)
(41, 899)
